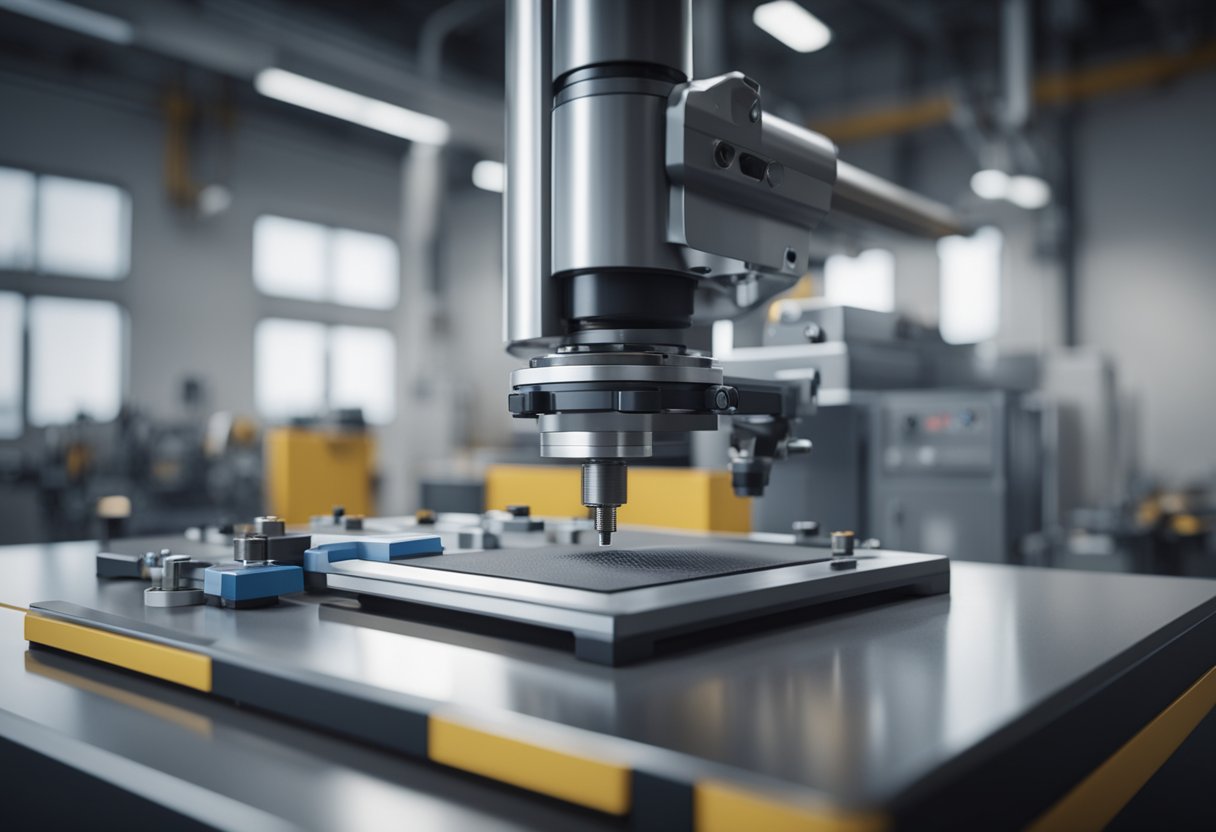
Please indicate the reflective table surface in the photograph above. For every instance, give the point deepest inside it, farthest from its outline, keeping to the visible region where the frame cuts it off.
(859, 705)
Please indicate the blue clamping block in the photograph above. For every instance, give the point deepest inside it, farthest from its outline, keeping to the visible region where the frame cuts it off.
(240, 586)
(382, 548)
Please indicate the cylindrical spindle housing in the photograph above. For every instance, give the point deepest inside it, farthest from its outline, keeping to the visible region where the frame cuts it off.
(615, 63)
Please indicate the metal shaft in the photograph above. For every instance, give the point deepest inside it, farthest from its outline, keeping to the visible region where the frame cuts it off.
(530, 303)
(604, 491)
(868, 197)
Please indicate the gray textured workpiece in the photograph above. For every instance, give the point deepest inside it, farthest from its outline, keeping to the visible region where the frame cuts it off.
(857, 705)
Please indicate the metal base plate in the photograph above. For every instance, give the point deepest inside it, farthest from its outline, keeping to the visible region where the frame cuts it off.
(619, 608)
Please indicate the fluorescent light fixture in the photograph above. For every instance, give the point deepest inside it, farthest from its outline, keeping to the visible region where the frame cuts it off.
(490, 175)
(990, 184)
(793, 25)
(1029, 192)
(350, 106)
(77, 18)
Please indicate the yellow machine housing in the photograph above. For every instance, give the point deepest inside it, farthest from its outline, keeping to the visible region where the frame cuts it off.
(310, 470)
(672, 498)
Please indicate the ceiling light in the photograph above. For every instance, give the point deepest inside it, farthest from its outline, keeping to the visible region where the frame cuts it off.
(793, 25)
(990, 184)
(351, 106)
(1029, 192)
(77, 18)
(490, 175)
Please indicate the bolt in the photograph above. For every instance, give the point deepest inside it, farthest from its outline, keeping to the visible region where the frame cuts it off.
(814, 334)
(605, 523)
(250, 549)
(774, 173)
(754, 113)
(724, 154)
(604, 490)
(724, 399)
(842, 544)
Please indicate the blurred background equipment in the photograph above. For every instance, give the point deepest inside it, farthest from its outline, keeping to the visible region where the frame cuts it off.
(302, 211)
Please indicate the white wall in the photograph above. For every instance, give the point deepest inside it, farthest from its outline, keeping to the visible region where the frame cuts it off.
(1147, 288)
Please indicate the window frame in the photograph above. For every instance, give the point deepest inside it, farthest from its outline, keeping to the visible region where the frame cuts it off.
(36, 270)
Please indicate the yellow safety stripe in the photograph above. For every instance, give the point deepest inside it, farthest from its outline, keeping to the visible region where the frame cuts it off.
(193, 670)
(604, 786)
(1095, 801)
(719, 807)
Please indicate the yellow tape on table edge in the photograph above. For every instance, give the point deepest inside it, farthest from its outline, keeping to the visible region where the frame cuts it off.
(1095, 801)
(718, 807)
(182, 667)
(598, 785)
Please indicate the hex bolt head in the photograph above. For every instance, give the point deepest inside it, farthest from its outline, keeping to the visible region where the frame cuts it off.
(814, 334)
(724, 399)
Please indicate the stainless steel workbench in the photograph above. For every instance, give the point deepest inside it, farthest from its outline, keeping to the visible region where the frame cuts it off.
(991, 703)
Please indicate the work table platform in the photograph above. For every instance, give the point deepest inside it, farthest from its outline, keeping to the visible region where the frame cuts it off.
(1000, 702)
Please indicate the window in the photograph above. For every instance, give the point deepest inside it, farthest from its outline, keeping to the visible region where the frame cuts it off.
(866, 281)
(16, 219)
(76, 360)
(289, 368)
(363, 371)
(12, 311)
(307, 261)
(970, 286)
(301, 368)
(289, 258)
(70, 227)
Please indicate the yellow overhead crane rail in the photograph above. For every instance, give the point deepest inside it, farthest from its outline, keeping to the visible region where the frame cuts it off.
(1050, 89)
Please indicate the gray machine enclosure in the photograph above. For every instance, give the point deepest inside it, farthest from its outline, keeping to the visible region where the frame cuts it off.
(916, 442)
